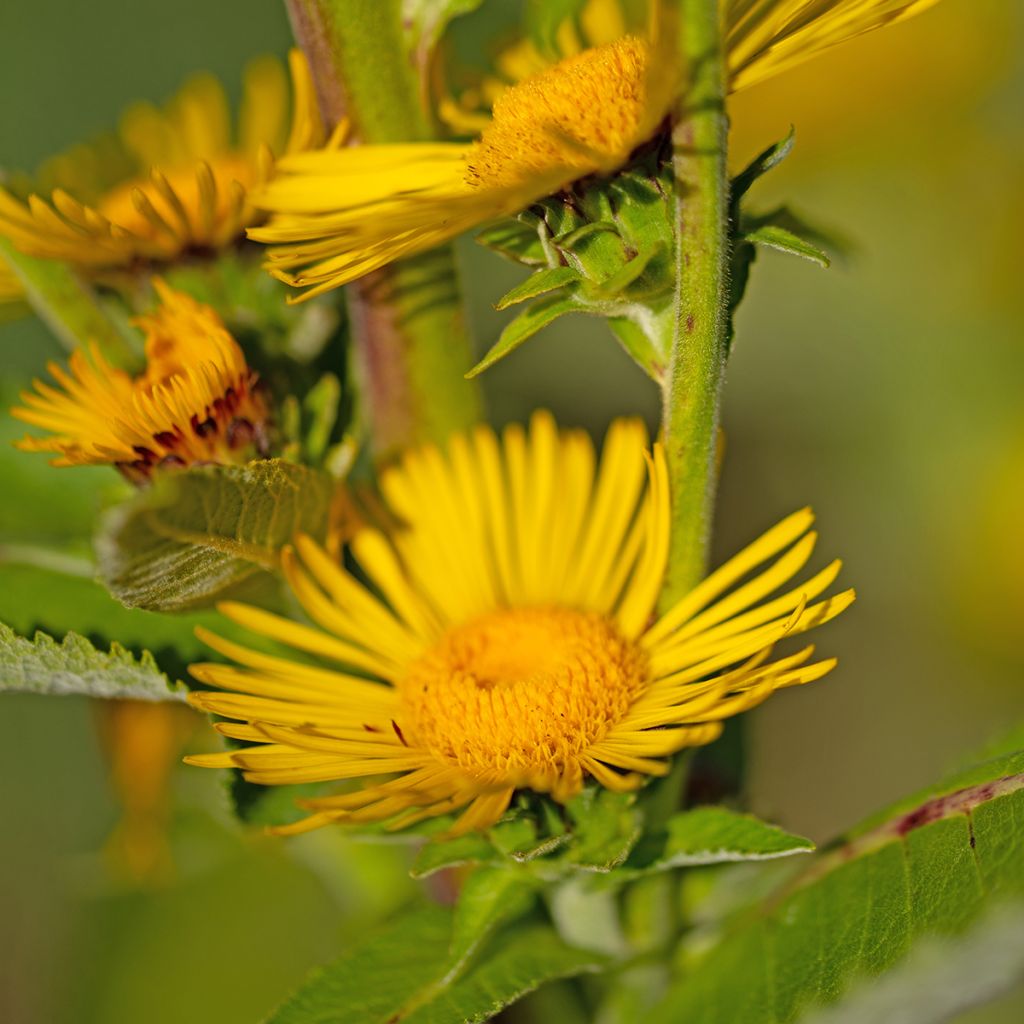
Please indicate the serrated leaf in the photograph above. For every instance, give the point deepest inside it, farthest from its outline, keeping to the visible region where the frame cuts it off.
(490, 897)
(716, 835)
(196, 535)
(540, 283)
(776, 237)
(932, 870)
(524, 327)
(74, 666)
(393, 977)
(761, 165)
(34, 597)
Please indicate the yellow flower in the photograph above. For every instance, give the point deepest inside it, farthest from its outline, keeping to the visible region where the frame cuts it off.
(10, 287)
(341, 213)
(176, 180)
(505, 638)
(197, 401)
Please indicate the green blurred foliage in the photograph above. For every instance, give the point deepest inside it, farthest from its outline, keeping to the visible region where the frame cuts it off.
(885, 392)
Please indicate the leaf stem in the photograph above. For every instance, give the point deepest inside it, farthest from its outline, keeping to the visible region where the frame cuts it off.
(411, 346)
(692, 387)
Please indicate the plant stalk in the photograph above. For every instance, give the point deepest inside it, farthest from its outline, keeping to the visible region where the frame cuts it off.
(411, 345)
(693, 383)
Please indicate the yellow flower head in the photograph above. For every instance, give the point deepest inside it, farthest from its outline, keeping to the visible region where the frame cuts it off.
(196, 402)
(340, 213)
(178, 178)
(506, 638)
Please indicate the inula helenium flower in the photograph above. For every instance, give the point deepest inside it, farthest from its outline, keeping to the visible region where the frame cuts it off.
(178, 179)
(507, 638)
(341, 213)
(196, 402)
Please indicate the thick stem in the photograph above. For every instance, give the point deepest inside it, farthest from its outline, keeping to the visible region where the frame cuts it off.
(694, 379)
(411, 343)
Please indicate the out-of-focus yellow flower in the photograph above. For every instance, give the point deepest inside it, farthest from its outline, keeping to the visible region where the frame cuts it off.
(506, 638)
(884, 79)
(142, 741)
(341, 213)
(196, 402)
(10, 287)
(175, 180)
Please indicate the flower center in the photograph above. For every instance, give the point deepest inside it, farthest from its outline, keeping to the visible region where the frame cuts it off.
(578, 116)
(517, 696)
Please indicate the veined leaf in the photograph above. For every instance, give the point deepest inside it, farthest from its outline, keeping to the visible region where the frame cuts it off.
(397, 975)
(41, 665)
(761, 165)
(195, 536)
(716, 835)
(525, 326)
(933, 871)
(780, 238)
(538, 284)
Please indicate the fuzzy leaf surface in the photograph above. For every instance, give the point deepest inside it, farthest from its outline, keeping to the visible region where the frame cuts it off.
(936, 869)
(399, 975)
(525, 326)
(74, 666)
(194, 537)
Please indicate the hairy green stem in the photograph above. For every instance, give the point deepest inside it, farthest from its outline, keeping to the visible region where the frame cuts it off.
(693, 383)
(411, 344)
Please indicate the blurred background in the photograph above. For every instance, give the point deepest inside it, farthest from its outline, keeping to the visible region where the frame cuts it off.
(885, 392)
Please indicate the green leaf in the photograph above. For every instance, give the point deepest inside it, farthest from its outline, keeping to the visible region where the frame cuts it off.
(761, 165)
(69, 308)
(715, 835)
(606, 826)
(938, 869)
(394, 977)
(628, 273)
(785, 241)
(41, 665)
(490, 896)
(473, 848)
(195, 536)
(38, 597)
(517, 240)
(537, 284)
(525, 326)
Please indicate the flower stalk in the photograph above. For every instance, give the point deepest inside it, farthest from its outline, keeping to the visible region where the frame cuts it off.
(692, 386)
(411, 345)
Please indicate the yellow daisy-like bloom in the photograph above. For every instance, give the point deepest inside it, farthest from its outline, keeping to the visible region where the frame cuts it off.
(180, 178)
(341, 213)
(196, 402)
(506, 638)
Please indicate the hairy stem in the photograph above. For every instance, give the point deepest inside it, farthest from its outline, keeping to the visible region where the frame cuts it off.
(693, 383)
(411, 343)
